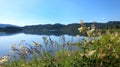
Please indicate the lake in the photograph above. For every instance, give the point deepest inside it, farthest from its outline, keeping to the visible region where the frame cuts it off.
(6, 40)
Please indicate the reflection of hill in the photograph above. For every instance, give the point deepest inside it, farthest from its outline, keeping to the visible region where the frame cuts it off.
(6, 34)
(10, 29)
(56, 33)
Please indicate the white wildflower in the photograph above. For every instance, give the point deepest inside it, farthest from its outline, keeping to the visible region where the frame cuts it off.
(90, 53)
(21, 46)
(4, 59)
(13, 45)
(80, 29)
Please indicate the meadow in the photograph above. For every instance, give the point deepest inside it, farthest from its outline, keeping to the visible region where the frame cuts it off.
(96, 50)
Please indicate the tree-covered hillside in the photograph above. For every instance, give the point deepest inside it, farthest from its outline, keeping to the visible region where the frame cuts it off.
(71, 29)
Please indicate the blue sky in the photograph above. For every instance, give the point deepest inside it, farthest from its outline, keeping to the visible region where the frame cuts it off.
(32, 12)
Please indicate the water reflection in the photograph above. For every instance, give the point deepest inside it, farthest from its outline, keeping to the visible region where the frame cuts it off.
(6, 40)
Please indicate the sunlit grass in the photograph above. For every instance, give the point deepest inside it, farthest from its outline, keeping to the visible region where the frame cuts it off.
(98, 50)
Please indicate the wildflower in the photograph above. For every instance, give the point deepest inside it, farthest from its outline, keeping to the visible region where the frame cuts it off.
(93, 41)
(81, 29)
(101, 55)
(92, 30)
(90, 53)
(109, 46)
(116, 34)
(52, 42)
(44, 38)
(21, 46)
(13, 46)
(4, 59)
(116, 55)
(81, 22)
(40, 45)
(35, 43)
(99, 33)
(68, 54)
(86, 41)
(89, 33)
(93, 26)
(118, 41)
(63, 37)
(88, 28)
(11, 52)
(81, 54)
(25, 51)
(78, 36)
(23, 65)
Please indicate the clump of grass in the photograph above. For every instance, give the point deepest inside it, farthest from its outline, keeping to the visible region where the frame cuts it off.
(97, 50)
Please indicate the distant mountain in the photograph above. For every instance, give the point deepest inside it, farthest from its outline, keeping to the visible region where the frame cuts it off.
(8, 28)
(71, 29)
(57, 29)
(7, 25)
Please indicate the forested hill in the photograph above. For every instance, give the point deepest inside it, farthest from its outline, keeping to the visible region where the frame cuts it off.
(110, 24)
(8, 28)
(68, 29)
(48, 29)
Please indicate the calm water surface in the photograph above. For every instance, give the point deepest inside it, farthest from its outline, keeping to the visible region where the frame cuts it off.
(7, 40)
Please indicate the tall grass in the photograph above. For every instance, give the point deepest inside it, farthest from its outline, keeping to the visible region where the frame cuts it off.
(98, 50)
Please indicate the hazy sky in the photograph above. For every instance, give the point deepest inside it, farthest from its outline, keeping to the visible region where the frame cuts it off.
(28, 12)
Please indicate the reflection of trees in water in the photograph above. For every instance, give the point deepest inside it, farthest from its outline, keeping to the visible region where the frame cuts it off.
(50, 32)
(11, 29)
(57, 33)
(7, 34)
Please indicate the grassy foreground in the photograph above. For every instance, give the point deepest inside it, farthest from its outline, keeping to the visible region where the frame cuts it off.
(100, 51)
